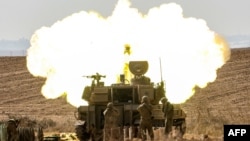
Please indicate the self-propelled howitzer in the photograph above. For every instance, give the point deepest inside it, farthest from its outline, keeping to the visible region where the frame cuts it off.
(126, 98)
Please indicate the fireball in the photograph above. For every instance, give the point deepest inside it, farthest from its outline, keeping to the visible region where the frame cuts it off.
(85, 43)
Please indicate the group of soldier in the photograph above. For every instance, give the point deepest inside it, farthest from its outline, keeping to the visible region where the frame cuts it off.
(145, 110)
(11, 131)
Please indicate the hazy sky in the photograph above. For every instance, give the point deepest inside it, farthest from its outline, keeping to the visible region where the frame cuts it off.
(21, 18)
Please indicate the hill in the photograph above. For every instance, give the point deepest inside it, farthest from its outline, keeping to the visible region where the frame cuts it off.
(225, 101)
(21, 96)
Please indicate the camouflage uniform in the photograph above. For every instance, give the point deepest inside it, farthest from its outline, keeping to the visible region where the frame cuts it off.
(110, 115)
(168, 110)
(145, 110)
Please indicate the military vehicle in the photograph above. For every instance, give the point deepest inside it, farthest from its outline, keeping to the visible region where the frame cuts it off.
(126, 98)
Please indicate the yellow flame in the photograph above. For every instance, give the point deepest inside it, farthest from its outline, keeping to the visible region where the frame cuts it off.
(85, 43)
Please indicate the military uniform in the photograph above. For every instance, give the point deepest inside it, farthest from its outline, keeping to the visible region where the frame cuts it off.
(168, 110)
(12, 134)
(110, 115)
(145, 110)
(81, 131)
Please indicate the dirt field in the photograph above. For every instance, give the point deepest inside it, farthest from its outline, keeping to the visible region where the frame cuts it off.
(225, 101)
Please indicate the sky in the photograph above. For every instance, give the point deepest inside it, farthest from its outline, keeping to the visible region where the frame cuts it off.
(21, 18)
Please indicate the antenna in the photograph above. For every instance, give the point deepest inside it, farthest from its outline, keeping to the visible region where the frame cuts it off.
(160, 68)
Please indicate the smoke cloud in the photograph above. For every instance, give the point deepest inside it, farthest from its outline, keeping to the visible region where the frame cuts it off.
(85, 43)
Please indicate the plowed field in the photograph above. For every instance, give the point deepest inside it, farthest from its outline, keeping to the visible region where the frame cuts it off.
(225, 101)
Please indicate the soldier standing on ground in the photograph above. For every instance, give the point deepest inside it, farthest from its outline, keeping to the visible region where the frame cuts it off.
(145, 110)
(168, 110)
(81, 131)
(110, 115)
(12, 133)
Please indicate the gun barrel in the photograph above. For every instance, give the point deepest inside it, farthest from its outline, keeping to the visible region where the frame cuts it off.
(86, 76)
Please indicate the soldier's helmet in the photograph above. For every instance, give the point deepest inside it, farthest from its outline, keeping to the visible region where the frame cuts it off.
(163, 100)
(13, 122)
(145, 99)
(110, 105)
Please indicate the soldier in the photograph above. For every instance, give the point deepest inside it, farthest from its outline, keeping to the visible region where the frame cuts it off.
(145, 110)
(81, 131)
(12, 133)
(168, 110)
(110, 115)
